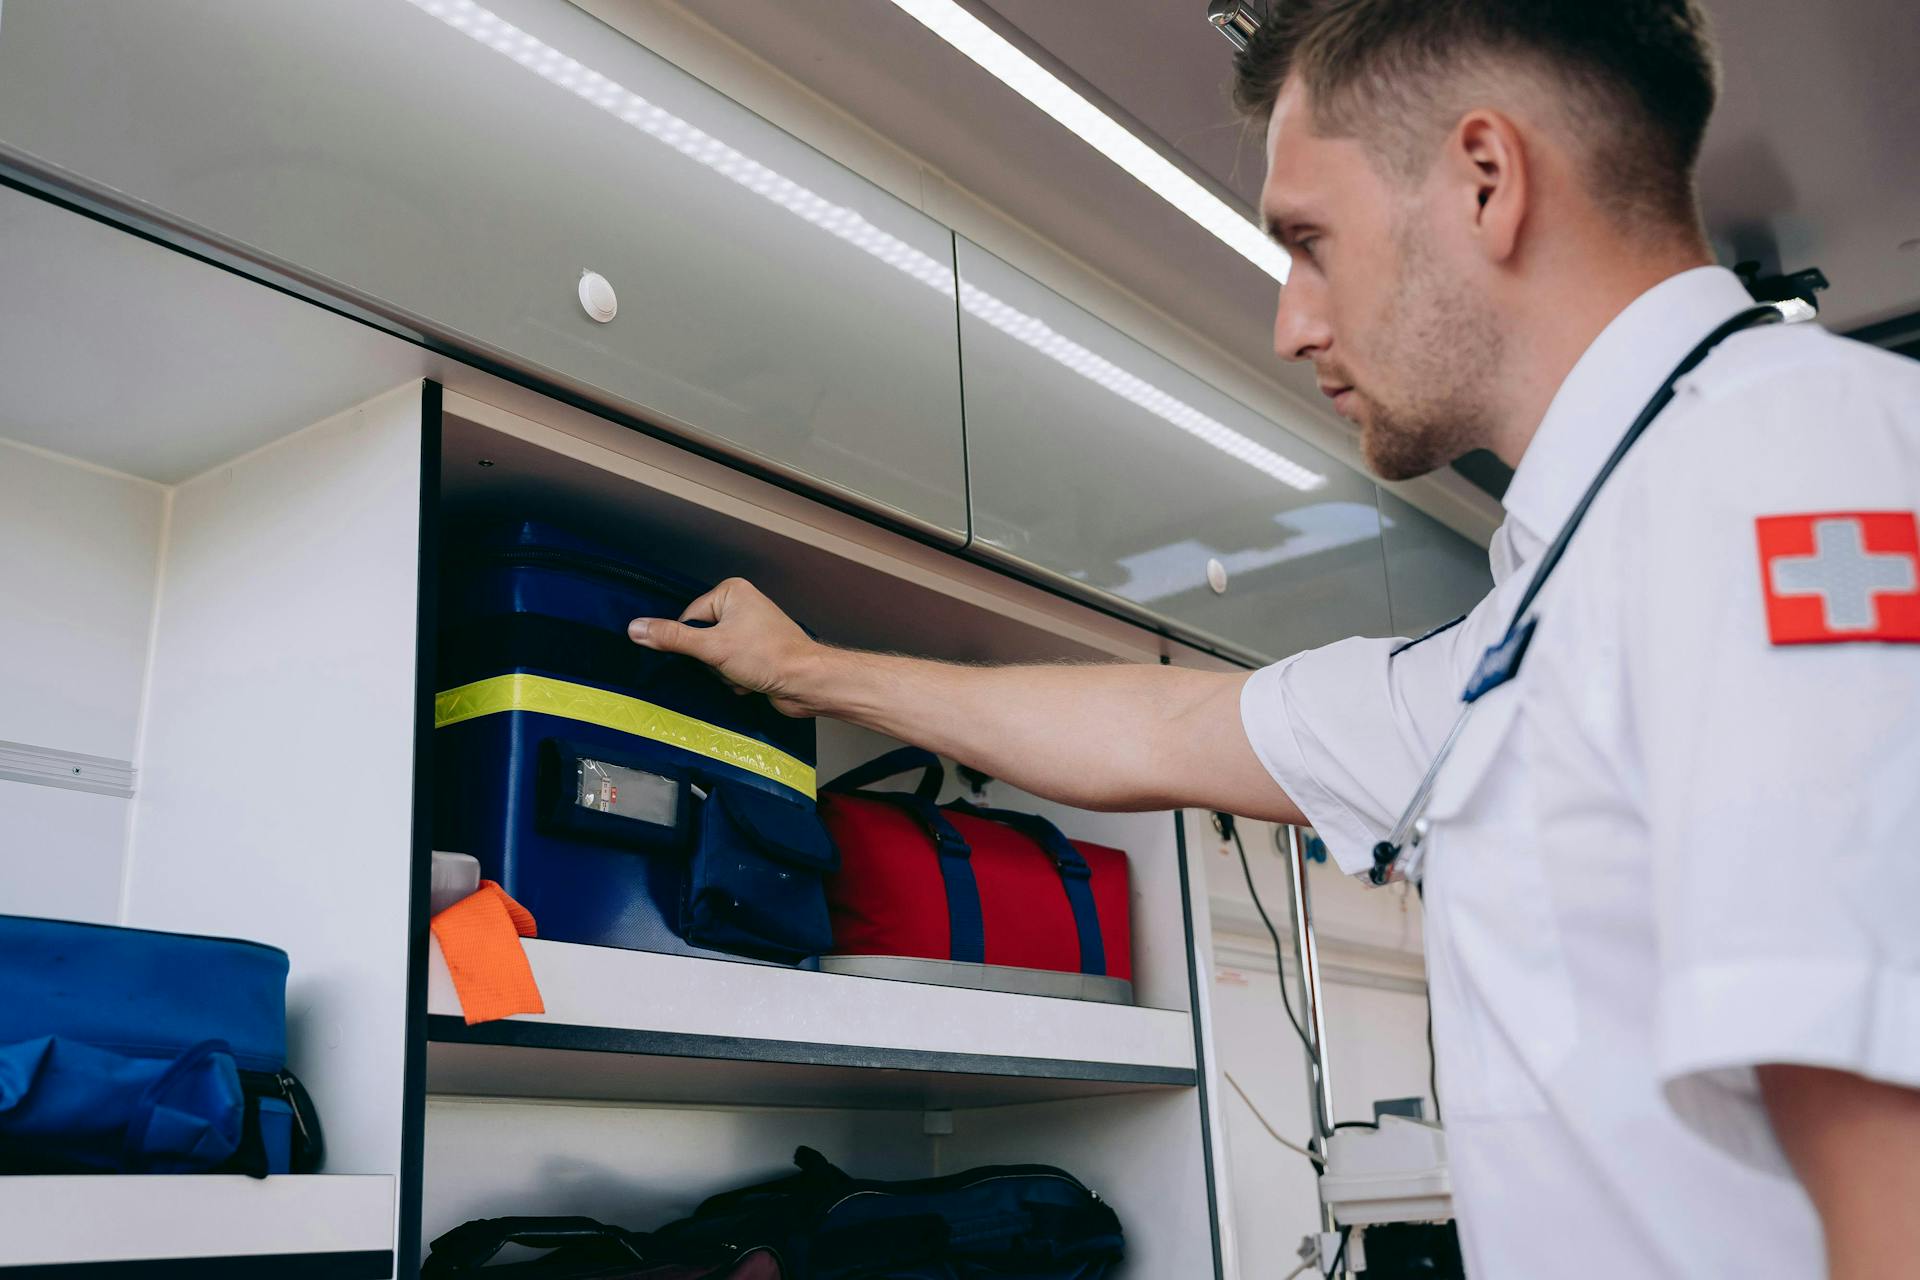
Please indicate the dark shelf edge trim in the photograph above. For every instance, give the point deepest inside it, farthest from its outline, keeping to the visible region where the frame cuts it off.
(370, 1264)
(447, 1029)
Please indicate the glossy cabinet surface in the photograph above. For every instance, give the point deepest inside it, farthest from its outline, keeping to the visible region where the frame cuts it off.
(461, 166)
(1100, 461)
(1433, 574)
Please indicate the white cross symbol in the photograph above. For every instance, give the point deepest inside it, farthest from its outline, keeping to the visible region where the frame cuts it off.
(1843, 575)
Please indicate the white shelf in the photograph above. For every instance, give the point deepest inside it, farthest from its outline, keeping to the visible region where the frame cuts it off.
(339, 1227)
(716, 1031)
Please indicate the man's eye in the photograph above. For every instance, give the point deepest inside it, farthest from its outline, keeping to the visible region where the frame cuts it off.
(1306, 243)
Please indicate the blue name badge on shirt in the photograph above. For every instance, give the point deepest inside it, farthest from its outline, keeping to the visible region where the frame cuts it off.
(1500, 663)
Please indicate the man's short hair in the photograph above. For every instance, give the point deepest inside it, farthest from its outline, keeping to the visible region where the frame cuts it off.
(1638, 79)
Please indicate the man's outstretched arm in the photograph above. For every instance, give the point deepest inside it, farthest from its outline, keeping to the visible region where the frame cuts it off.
(1115, 737)
(1855, 1144)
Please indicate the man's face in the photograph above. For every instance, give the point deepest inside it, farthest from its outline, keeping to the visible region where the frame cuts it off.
(1379, 298)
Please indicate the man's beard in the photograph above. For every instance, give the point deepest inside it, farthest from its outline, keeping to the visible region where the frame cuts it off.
(1440, 342)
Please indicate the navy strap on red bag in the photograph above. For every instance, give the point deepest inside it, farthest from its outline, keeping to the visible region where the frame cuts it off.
(1075, 875)
(964, 917)
(899, 760)
(965, 922)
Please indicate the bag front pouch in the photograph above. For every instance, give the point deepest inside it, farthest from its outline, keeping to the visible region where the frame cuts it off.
(68, 1107)
(756, 880)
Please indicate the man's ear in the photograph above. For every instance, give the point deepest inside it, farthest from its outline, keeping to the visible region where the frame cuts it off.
(1487, 166)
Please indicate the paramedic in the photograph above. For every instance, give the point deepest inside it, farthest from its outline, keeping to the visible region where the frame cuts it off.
(1674, 864)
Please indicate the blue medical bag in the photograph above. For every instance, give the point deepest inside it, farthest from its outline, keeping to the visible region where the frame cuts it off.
(625, 797)
(133, 1051)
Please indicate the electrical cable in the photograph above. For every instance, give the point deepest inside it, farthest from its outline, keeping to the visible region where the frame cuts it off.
(1339, 1255)
(1433, 1059)
(1266, 1124)
(1228, 828)
(1433, 1066)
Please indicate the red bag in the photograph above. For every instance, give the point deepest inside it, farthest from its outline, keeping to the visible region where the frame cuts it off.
(968, 896)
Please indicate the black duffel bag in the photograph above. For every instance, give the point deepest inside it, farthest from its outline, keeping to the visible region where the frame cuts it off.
(583, 1249)
(1008, 1222)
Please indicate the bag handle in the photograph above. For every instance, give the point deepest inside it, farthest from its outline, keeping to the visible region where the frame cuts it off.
(469, 1246)
(899, 760)
(1076, 877)
(309, 1145)
(815, 1176)
(174, 1090)
(966, 924)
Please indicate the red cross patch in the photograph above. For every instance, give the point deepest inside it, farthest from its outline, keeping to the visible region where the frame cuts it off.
(1840, 576)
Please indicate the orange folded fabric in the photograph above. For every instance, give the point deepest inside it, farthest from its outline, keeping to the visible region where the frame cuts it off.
(480, 938)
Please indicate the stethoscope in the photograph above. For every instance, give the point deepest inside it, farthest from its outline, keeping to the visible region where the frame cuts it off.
(1404, 845)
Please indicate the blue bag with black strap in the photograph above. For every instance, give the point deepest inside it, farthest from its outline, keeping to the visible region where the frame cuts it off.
(136, 1051)
(626, 797)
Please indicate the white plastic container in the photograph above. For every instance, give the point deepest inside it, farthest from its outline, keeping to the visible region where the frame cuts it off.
(1394, 1173)
(455, 876)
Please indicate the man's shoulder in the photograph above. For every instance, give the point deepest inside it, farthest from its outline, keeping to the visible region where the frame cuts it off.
(1783, 411)
(1793, 367)
(1780, 420)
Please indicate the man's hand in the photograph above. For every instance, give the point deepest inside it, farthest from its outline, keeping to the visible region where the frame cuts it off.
(748, 642)
(1120, 736)
(1855, 1144)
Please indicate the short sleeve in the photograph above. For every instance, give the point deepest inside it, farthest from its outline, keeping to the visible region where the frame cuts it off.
(1782, 779)
(1347, 730)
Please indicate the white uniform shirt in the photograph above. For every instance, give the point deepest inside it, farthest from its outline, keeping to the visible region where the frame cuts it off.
(1670, 849)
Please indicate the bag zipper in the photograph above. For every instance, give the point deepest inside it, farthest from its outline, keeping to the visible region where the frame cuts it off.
(1055, 1174)
(682, 593)
(150, 933)
(602, 565)
(1038, 1171)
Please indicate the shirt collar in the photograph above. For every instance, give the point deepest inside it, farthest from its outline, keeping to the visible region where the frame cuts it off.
(1604, 391)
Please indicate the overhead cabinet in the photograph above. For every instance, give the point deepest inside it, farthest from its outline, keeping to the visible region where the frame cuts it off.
(1107, 466)
(456, 169)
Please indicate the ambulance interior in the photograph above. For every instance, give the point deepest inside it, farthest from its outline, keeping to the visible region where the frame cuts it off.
(228, 500)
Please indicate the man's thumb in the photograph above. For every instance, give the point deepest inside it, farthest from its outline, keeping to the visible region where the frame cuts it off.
(665, 635)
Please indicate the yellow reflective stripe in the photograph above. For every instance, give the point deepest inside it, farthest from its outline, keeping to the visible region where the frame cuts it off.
(523, 692)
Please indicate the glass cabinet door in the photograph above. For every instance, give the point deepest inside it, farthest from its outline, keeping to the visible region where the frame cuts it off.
(1103, 463)
(1433, 574)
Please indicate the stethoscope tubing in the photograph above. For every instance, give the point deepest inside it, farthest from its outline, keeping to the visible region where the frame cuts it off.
(1388, 853)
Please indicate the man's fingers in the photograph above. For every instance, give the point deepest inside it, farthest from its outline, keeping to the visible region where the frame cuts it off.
(709, 606)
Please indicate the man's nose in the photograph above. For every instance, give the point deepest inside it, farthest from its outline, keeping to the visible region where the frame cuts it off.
(1299, 331)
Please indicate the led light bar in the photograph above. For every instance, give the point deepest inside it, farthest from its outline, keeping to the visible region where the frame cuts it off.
(998, 56)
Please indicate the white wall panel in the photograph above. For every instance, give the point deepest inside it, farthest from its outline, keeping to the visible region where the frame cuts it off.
(1360, 924)
(1378, 1049)
(60, 853)
(78, 549)
(276, 788)
(1370, 950)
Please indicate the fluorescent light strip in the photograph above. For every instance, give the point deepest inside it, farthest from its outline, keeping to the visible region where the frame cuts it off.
(489, 29)
(1036, 333)
(1013, 68)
